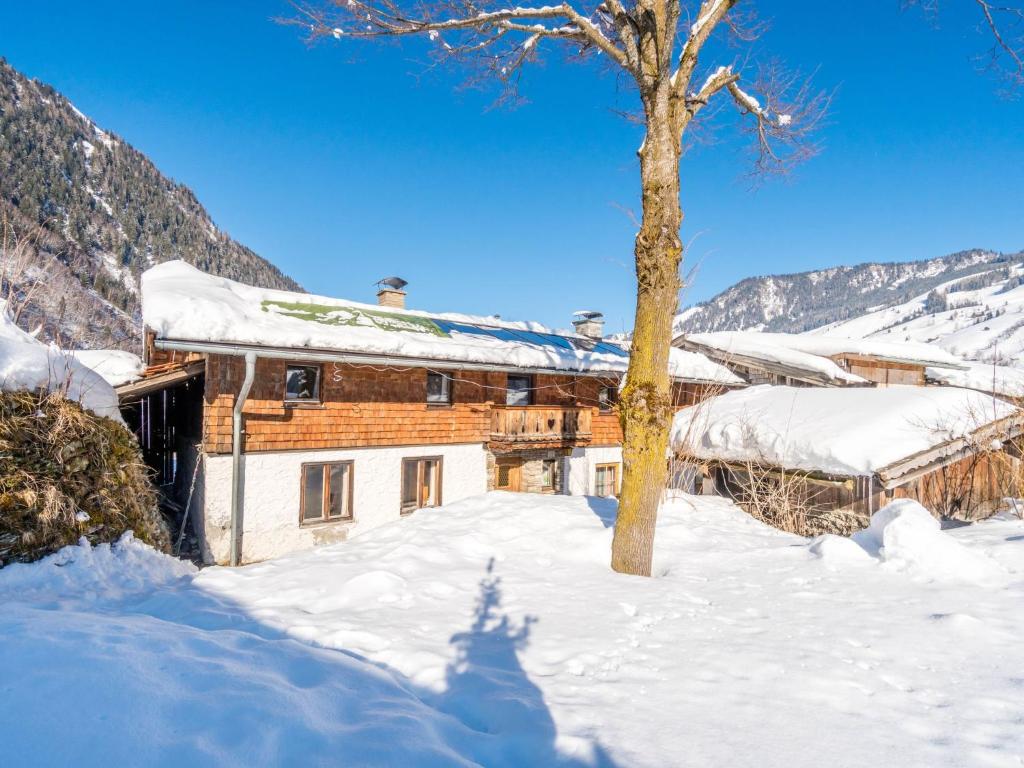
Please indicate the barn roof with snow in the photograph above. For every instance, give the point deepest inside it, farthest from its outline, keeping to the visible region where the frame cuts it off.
(813, 358)
(184, 306)
(843, 432)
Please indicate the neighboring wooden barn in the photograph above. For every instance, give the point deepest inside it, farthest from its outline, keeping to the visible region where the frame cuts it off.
(785, 359)
(824, 460)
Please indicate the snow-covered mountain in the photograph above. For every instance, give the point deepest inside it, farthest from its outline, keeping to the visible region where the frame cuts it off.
(806, 300)
(96, 213)
(980, 317)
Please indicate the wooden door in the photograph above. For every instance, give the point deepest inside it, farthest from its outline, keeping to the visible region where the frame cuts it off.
(508, 474)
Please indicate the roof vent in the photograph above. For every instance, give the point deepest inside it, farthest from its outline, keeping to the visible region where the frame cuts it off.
(390, 293)
(587, 322)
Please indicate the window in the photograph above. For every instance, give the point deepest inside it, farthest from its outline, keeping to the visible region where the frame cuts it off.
(607, 398)
(517, 390)
(439, 388)
(326, 492)
(302, 383)
(421, 483)
(547, 474)
(606, 480)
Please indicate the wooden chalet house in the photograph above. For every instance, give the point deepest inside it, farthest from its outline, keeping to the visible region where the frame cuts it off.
(283, 420)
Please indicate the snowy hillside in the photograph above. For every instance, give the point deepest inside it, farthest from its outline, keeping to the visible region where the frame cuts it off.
(491, 632)
(978, 318)
(799, 302)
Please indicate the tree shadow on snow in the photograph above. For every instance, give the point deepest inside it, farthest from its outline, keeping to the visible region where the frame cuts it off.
(489, 691)
(498, 716)
(605, 508)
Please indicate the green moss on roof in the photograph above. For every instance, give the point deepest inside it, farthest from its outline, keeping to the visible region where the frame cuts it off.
(326, 314)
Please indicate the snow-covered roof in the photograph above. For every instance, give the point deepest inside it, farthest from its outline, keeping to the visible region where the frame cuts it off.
(812, 352)
(838, 431)
(748, 346)
(995, 379)
(28, 364)
(116, 366)
(694, 366)
(181, 303)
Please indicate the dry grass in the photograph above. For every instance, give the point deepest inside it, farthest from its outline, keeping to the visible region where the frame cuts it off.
(66, 473)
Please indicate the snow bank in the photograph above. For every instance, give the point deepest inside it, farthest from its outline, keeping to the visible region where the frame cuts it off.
(116, 366)
(106, 571)
(906, 535)
(28, 364)
(841, 431)
(180, 302)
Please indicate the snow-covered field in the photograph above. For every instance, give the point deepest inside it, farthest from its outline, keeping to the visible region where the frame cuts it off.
(491, 632)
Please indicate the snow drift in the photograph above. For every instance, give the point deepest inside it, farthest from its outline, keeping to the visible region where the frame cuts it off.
(492, 632)
(28, 364)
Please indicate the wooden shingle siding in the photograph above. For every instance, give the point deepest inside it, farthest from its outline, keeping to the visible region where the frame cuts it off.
(377, 406)
(364, 406)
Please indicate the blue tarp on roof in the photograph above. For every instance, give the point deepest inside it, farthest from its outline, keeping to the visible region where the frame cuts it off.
(532, 337)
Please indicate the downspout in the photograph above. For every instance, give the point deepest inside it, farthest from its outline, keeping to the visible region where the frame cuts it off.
(236, 459)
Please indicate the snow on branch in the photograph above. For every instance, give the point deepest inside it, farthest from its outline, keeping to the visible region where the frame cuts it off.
(710, 14)
(500, 39)
(784, 124)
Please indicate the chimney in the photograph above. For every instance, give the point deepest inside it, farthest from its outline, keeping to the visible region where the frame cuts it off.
(390, 293)
(589, 323)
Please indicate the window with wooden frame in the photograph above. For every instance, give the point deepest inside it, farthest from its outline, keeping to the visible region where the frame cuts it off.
(326, 492)
(439, 388)
(421, 483)
(606, 480)
(302, 384)
(607, 398)
(518, 390)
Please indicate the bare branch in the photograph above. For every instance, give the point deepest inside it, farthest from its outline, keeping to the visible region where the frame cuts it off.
(995, 16)
(710, 14)
(1005, 25)
(723, 77)
(784, 124)
(387, 18)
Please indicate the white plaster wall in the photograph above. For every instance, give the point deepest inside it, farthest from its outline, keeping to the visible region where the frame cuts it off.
(580, 472)
(272, 492)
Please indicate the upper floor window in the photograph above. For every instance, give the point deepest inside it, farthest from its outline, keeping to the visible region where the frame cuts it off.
(607, 398)
(439, 388)
(302, 382)
(518, 390)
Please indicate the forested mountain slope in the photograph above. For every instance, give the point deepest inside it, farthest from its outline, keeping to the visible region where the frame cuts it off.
(92, 213)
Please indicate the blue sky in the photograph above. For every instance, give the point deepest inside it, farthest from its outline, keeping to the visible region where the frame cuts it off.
(343, 165)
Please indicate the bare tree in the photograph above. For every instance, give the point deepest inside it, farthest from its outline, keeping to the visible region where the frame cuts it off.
(23, 272)
(657, 47)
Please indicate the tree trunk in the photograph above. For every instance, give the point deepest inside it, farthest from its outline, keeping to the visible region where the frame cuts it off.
(645, 406)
